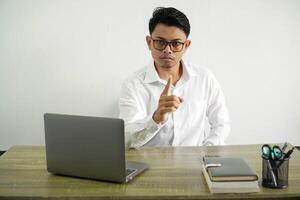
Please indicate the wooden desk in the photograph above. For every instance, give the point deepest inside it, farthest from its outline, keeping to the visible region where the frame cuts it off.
(174, 174)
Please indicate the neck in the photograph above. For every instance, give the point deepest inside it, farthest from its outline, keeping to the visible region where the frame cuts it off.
(165, 73)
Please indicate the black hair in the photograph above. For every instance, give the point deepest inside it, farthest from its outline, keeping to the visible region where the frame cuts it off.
(171, 17)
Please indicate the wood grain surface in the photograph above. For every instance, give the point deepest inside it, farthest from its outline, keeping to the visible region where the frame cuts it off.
(174, 173)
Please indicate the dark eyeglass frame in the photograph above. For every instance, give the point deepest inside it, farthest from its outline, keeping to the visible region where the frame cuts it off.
(166, 43)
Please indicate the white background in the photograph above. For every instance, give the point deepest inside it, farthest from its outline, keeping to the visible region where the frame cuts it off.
(71, 56)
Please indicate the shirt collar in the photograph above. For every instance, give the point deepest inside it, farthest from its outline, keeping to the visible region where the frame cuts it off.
(152, 76)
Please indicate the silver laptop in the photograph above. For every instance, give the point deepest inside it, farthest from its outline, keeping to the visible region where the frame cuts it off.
(88, 147)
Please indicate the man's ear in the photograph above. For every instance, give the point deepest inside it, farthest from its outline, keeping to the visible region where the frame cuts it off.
(187, 43)
(148, 40)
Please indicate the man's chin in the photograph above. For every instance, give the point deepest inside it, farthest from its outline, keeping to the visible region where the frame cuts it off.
(166, 66)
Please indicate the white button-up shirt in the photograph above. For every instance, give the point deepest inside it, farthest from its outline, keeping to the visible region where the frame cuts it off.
(202, 118)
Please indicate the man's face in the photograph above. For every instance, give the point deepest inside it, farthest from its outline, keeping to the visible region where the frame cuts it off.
(171, 55)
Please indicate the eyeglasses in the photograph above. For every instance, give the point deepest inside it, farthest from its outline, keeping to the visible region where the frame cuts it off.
(175, 46)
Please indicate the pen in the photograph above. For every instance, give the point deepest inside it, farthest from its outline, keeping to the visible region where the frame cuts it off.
(284, 147)
(288, 154)
(286, 157)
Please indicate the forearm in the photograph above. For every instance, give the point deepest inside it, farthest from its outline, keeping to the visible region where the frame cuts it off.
(139, 132)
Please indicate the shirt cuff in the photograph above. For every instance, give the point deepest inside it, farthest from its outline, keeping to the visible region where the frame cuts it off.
(157, 126)
(141, 138)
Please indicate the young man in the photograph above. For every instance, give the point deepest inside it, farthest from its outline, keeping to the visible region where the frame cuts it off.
(168, 102)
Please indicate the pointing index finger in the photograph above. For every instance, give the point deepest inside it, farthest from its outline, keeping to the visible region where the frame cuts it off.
(165, 92)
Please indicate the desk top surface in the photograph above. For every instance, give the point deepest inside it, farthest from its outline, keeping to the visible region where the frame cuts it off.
(174, 173)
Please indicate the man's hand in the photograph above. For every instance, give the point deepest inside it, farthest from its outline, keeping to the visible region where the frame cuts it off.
(166, 104)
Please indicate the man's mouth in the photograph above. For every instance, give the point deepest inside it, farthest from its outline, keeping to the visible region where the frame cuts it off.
(166, 58)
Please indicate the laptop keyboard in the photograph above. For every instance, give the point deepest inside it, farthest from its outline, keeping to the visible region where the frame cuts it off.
(130, 171)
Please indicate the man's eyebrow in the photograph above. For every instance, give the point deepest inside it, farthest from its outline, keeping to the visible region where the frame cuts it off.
(174, 40)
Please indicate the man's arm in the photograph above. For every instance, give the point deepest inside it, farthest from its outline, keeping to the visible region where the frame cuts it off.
(140, 126)
(217, 115)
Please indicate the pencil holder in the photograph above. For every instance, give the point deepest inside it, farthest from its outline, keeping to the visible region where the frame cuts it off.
(275, 173)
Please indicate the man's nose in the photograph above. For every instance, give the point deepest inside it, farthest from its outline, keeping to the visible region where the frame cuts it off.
(167, 49)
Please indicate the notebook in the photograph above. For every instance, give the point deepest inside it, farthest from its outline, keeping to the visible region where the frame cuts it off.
(229, 175)
(88, 147)
(231, 169)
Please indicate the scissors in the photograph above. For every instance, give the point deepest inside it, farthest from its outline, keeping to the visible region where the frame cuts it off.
(271, 152)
